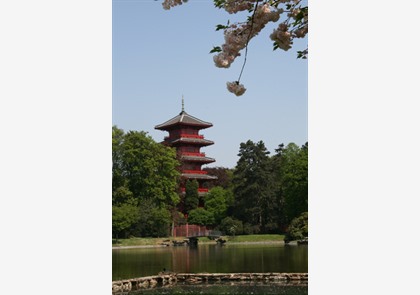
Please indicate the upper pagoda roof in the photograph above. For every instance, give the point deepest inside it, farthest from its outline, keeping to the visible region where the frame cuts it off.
(183, 119)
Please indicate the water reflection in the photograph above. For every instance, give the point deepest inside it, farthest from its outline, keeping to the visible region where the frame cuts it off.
(132, 263)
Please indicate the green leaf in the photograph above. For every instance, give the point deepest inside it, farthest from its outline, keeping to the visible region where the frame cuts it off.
(216, 49)
(302, 54)
(221, 27)
(219, 3)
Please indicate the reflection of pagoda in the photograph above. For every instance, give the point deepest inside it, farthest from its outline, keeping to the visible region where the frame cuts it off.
(183, 135)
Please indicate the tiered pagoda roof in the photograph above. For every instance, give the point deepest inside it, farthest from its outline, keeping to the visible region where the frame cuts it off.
(197, 174)
(187, 139)
(183, 119)
(196, 157)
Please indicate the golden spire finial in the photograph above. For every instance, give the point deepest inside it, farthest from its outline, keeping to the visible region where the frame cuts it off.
(183, 102)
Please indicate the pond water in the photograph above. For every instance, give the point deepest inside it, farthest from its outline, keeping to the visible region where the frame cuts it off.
(212, 258)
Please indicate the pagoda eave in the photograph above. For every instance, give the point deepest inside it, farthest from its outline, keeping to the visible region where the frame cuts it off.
(198, 159)
(177, 125)
(198, 176)
(183, 119)
(201, 191)
(196, 141)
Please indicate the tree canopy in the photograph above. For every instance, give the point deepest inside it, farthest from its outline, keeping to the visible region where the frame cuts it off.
(217, 201)
(269, 192)
(294, 179)
(224, 177)
(144, 184)
(253, 185)
(262, 194)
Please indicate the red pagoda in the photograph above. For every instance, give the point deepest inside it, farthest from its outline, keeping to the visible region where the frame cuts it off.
(184, 136)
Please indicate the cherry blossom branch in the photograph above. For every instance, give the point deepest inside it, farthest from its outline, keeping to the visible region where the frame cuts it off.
(247, 41)
(238, 35)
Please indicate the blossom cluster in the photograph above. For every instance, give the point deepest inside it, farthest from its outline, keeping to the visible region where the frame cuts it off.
(234, 6)
(167, 4)
(284, 34)
(282, 37)
(237, 36)
(236, 88)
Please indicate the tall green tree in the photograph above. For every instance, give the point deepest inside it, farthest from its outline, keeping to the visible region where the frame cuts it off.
(144, 183)
(294, 179)
(150, 168)
(276, 162)
(253, 185)
(118, 179)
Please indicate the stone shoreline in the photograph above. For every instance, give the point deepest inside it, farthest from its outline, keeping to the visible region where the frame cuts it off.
(168, 279)
(205, 243)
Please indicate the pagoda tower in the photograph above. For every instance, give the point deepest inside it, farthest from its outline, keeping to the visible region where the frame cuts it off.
(184, 136)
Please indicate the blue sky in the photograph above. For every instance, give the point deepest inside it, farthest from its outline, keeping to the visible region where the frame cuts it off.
(160, 55)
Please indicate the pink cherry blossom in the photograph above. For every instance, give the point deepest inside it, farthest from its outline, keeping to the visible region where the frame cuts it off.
(167, 4)
(236, 88)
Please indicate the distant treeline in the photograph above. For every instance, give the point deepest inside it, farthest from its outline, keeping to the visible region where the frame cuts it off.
(262, 194)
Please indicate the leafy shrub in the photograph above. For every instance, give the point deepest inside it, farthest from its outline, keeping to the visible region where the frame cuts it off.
(298, 228)
(200, 216)
(231, 226)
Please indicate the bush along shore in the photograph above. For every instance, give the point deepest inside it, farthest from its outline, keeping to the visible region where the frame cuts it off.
(168, 279)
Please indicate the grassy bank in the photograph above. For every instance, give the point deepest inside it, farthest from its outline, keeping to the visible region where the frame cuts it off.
(235, 239)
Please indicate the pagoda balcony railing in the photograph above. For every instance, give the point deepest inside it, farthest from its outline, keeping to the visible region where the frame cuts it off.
(193, 154)
(194, 172)
(193, 136)
(185, 136)
(200, 190)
